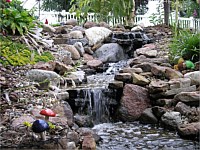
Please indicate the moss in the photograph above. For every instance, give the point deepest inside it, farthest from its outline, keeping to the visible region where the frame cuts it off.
(17, 54)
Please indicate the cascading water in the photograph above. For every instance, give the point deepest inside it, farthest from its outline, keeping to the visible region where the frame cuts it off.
(95, 99)
(93, 102)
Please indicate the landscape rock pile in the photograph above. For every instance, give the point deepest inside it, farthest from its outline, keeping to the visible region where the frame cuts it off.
(152, 91)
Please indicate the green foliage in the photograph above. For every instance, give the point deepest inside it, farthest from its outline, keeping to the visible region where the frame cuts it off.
(103, 8)
(17, 54)
(185, 45)
(57, 5)
(192, 10)
(28, 124)
(51, 125)
(156, 18)
(14, 19)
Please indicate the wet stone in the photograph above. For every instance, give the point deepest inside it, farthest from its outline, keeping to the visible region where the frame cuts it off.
(125, 77)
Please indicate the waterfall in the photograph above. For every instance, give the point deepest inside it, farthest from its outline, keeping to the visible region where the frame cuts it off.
(94, 102)
(95, 99)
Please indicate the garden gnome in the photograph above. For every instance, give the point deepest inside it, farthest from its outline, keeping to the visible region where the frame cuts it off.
(46, 21)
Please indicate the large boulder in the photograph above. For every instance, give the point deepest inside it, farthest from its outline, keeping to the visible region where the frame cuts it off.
(134, 101)
(74, 52)
(111, 52)
(97, 34)
(39, 75)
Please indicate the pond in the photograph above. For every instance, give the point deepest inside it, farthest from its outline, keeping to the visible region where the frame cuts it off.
(134, 136)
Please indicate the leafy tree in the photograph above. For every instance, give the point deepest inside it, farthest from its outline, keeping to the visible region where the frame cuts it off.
(57, 5)
(122, 9)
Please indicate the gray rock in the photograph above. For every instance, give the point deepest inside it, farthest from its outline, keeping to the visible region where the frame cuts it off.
(63, 29)
(83, 120)
(71, 146)
(111, 52)
(80, 48)
(137, 28)
(171, 120)
(60, 40)
(125, 77)
(189, 98)
(158, 111)
(147, 117)
(62, 96)
(145, 66)
(194, 76)
(64, 111)
(39, 75)
(88, 143)
(131, 70)
(182, 108)
(142, 59)
(74, 52)
(48, 28)
(84, 41)
(158, 71)
(88, 50)
(97, 34)
(165, 102)
(90, 24)
(18, 122)
(179, 83)
(95, 64)
(165, 72)
(116, 84)
(178, 90)
(72, 22)
(76, 35)
(146, 51)
(61, 68)
(73, 136)
(156, 86)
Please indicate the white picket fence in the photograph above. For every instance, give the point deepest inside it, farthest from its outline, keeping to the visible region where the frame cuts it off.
(59, 17)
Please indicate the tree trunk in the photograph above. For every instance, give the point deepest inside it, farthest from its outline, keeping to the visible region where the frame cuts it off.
(131, 16)
(166, 12)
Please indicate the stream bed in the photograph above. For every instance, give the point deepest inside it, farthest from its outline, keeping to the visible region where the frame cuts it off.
(136, 136)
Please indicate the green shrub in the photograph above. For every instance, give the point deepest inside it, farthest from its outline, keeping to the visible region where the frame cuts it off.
(185, 45)
(14, 19)
(17, 54)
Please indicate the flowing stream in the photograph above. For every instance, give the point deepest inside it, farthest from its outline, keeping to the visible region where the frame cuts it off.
(136, 136)
(123, 136)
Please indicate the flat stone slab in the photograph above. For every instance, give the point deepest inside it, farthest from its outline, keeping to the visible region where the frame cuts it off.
(116, 84)
(178, 90)
(190, 98)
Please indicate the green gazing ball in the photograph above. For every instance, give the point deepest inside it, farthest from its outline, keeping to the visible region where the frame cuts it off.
(189, 64)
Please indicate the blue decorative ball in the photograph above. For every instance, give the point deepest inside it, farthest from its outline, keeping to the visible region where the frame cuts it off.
(39, 126)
